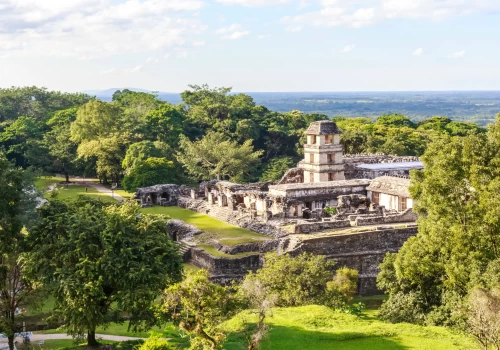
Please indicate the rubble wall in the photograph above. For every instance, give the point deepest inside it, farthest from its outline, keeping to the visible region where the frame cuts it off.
(361, 251)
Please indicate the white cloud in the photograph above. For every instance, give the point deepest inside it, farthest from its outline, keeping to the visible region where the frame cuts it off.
(348, 48)
(418, 52)
(263, 36)
(136, 69)
(231, 28)
(458, 54)
(232, 32)
(360, 13)
(254, 3)
(108, 71)
(304, 3)
(235, 35)
(182, 54)
(152, 60)
(90, 29)
(198, 43)
(293, 28)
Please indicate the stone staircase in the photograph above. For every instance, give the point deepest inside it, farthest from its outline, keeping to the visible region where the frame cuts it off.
(184, 251)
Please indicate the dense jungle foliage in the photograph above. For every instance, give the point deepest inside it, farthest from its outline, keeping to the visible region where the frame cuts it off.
(212, 133)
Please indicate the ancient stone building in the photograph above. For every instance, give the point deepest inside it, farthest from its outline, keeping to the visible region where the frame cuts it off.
(340, 206)
(323, 158)
(392, 192)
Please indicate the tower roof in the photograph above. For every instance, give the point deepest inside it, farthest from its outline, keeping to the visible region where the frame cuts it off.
(323, 127)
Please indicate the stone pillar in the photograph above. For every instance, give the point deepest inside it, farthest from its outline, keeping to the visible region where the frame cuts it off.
(211, 199)
(194, 194)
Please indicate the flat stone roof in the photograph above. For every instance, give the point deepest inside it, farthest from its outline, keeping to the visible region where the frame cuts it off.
(391, 185)
(391, 166)
(317, 185)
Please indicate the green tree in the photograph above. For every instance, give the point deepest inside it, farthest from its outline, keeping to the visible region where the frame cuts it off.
(102, 132)
(214, 156)
(17, 205)
(58, 141)
(152, 171)
(276, 168)
(395, 120)
(459, 224)
(296, 281)
(103, 260)
(198, 307)
(140, 151)
(164, 124)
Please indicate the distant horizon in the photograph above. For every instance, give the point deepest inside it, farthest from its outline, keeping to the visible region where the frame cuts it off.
(294, 91)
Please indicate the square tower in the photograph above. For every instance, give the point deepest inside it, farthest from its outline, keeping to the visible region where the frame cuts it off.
(323, 157)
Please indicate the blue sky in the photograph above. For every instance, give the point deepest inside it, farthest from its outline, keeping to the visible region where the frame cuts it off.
(251, 45)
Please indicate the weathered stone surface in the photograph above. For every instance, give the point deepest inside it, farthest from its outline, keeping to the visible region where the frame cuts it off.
(361, 251)
(405, 216)
(219, 266)
(178, 230)
(292, 176)
(261, 247)
(306, 227)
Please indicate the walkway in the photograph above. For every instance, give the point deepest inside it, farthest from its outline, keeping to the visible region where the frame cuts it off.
(104, 190)
(37, 337)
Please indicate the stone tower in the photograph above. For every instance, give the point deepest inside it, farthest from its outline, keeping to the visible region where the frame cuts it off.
(323, 159)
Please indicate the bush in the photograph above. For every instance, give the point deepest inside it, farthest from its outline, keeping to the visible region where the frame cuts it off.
(403, 307)
(344, 284)
(297, 280)
(155, 342)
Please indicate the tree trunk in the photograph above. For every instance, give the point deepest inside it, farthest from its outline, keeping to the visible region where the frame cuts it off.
(67, 176)
(11, 342)
(91, 341)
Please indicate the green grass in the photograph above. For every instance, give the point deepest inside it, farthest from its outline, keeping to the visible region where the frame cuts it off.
(213, 228)
(124, 194)
(43, 182)
(112, 329)
(73, 191)
(320, 328)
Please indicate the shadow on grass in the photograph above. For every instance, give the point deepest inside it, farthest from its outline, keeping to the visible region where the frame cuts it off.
(296, 338)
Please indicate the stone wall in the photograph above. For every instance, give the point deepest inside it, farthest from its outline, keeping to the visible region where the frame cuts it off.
(261, 247)
(308, 227)
(361, 251)
(405, 216)
(223, 270)
(233, 217)
(178, 230)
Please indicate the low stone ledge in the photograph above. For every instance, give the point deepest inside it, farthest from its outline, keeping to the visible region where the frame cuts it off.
(258, 247)
(321, 226)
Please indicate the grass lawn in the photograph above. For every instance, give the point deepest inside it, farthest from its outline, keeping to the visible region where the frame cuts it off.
(213, 228)
(320, 328)
(42, 183)
(73, 191)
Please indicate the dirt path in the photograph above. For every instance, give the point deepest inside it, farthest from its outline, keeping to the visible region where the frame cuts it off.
(106, 191)
(38, 337)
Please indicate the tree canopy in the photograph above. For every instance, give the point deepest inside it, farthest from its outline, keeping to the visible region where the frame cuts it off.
(105, 260)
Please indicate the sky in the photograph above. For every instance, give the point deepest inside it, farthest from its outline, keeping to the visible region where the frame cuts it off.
(251, 45)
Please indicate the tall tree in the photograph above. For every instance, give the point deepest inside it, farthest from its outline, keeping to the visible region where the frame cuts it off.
(459, 225)
(216, 156)
(103, 260)
(17, 204)
(101, 132)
